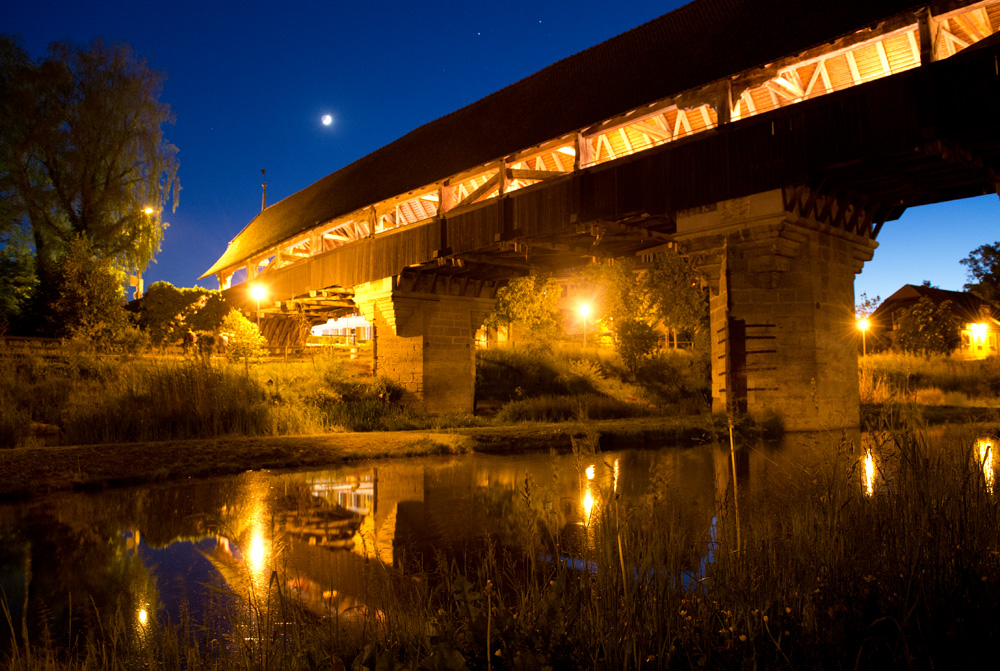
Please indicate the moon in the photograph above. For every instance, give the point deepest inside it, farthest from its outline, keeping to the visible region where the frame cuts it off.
(327, 119)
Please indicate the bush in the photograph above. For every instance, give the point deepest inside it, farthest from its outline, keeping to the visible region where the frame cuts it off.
(634, 341)
(245, 341)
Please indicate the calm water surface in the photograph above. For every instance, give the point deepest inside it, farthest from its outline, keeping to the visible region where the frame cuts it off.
(174, 550)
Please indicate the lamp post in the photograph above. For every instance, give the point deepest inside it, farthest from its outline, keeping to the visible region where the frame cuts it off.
(584, 311)
(258, 292)
(863, 325)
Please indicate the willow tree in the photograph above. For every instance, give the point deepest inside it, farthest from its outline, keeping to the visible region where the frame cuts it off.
(83, 153)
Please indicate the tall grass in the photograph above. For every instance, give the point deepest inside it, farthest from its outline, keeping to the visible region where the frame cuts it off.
(929, 380)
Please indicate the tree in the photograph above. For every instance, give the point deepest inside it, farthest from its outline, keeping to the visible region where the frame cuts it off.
(983, 265)
(617, 292)
(675, 294)
(866, 306)
(245, 340)
(166, 312)
(928, 328)
(82, 155)
(529, 302)
(635, 340)
(89, 306)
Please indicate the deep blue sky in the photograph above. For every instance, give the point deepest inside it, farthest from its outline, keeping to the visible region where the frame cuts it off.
(249, 82)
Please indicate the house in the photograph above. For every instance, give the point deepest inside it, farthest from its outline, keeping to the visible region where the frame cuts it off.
(980, 326)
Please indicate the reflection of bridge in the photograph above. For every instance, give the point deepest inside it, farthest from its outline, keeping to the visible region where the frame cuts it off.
(772, 157)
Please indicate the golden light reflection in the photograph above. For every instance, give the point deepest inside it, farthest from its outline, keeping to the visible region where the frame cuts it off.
(143, 616)
(590, 472)
(615, 486)
(869, 474)
(587, 502)
(984, 455)
(257, 552)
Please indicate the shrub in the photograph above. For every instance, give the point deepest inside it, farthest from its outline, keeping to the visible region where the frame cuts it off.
(245, 341)
(634, 341)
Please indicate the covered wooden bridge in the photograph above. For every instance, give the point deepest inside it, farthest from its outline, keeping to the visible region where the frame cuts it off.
(769, 140)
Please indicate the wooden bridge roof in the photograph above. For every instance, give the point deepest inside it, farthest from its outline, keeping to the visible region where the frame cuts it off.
(696, 45)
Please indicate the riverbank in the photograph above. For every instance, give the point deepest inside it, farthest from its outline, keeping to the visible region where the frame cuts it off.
(35, 471)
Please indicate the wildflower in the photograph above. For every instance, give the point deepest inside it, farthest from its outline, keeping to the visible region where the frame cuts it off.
(787, 609)
(743, 638)
(765, 619)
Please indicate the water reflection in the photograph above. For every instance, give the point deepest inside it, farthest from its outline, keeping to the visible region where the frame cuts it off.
(169, 550)
(984, 457)
(868, 474)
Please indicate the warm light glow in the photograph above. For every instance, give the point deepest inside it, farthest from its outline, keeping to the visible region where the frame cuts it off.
(148, 210)
(569, 151)
(430, 196)
(615, 488)
(257, 553)
(863, 324)
(590, 472)
(979, 331)
(258, 292)
(584, 310)
(588, 503)
(984, 455)
(869, 475)
(327, 119)
(143, 616)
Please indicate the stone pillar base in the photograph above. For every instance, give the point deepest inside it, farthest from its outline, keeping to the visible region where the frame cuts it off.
(782, 309)
(425, 340)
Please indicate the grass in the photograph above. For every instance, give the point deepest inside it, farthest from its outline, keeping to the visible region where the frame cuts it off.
(92, 399)
(823, 574)
(929, 380)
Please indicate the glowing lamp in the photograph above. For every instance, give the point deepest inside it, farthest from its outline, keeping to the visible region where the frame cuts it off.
(148, 210)
(258, 292)
(979, 331)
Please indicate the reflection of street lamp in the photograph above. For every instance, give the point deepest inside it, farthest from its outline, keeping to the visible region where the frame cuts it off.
(584, 311)
(258, 292)
(863, 325)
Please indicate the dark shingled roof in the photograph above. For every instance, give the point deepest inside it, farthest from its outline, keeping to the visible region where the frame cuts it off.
(702, 42)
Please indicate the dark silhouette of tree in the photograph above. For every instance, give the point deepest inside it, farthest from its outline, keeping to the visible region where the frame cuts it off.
(983, 264)
(926, 328)
(82, 155)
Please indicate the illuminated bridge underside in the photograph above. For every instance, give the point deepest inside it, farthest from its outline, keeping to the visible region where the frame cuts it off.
(777, 205)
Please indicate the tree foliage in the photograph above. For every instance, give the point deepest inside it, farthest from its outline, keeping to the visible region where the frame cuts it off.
(90, 304)
(245, 340)
(528, 303)
(635, 341)
(928, 328)
(983, 264)
(85, 155)
(616, 292)
(166, 312)
(675, 295)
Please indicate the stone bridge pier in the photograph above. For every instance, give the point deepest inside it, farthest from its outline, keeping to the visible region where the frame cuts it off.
(780, 268)
(425, 337)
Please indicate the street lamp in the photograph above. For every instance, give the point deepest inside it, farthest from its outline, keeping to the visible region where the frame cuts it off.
(258, 292)
(863, 325)
(584, 311)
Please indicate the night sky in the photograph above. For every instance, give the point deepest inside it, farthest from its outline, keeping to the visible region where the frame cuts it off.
(249, 83)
